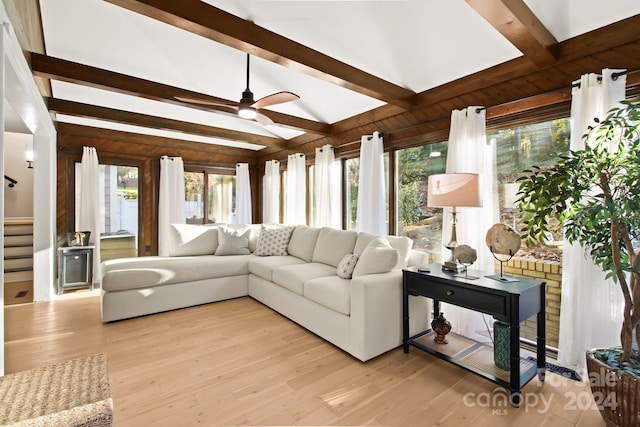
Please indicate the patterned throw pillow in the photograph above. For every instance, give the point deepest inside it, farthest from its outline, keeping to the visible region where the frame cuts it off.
(273, 241)
(347, 265)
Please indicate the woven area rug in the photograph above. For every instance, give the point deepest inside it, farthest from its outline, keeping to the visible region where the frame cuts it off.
(73, 393)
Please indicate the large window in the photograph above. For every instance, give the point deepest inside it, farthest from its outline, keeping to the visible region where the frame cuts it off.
(211, 193)
(118, 208)
(416, 220)
(519, 149)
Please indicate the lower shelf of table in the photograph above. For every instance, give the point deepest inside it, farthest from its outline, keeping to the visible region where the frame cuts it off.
(473, 356)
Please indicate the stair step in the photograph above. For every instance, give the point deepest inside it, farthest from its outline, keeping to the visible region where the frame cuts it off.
(18, 240)
(18, 276)
(17, 234)
(18, 263)
(26, 256)
(25, 245)
(17, 269)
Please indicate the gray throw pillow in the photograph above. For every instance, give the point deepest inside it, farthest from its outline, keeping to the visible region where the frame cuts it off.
(233, 242)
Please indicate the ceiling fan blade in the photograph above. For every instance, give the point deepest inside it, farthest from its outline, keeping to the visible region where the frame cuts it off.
(230, 104)
(276, 98)
(262, 119)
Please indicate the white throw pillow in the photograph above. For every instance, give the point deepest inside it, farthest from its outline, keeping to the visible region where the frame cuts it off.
(377, 257)
(347, 265)
(403, 244)
(191, 240)
(233, 242)
(273, 241)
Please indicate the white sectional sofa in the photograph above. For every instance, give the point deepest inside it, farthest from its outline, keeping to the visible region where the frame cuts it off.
(298, 278)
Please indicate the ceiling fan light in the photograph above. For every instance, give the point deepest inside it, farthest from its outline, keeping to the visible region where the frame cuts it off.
(247, 112)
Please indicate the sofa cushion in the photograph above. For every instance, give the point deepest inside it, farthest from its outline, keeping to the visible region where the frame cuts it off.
(293, 277)
(332, 292)
(303, 242)
(333, 245)
(402, 243)
(273, 241)
(233, 242)
(189, 239)
(264, 266)
(144, 272)
(346, 266)
(377, 257)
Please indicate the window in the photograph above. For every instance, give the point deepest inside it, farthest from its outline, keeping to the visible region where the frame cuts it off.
(194, 197)
(222, 190)
(416, 220)
(519, 149)
(119, 209)
(210, 192)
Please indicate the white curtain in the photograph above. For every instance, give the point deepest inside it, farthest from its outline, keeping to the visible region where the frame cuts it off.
(295, 203)
(170, 200)
(243, 194)
(469, 151)
(271, 193)
(327, 189)
(591, 306)
(89, 218)
(371, 213)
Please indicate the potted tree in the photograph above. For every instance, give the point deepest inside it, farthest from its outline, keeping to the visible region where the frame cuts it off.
(595, 194)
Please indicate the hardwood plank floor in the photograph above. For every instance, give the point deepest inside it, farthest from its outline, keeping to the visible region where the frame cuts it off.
(238, 362)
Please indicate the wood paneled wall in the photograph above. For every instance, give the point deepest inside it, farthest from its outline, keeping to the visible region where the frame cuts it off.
(144, 152)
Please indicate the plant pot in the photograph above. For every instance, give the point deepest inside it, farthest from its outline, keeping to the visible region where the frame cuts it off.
(617, 397)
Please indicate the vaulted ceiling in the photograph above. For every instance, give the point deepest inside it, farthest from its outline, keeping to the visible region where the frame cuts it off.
(393, 66)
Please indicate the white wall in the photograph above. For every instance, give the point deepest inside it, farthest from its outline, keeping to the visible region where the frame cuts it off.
(18, 201)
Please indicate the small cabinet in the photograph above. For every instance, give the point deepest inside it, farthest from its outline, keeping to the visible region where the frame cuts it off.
(75, 268)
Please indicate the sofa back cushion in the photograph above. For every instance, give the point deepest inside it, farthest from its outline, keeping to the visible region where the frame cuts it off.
(333, 245)
(402, 243)
(191, 240)
(303, 242)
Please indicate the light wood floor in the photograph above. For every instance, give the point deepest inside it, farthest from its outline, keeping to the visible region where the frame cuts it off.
(18, 292)
(239, 363)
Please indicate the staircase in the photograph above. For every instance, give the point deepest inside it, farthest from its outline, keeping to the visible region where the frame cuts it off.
(18, 251)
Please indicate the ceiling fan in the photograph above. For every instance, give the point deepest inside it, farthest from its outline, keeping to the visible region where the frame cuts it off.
(248, 108)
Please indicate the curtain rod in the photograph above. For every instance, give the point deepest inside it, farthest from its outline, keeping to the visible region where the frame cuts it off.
(614, 76)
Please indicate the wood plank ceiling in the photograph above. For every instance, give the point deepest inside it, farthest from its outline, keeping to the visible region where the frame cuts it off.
(546, 67)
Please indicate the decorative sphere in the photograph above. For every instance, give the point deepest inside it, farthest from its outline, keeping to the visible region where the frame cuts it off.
(502, 239)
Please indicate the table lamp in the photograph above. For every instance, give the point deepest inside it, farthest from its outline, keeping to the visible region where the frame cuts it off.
(454, 190)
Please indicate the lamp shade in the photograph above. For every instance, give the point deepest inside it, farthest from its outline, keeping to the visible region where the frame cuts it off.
(454, 189)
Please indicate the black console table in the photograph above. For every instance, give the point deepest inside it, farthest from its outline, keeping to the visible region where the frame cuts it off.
(511, 302)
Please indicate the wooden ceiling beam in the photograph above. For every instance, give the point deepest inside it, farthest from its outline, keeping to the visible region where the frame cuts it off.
(72, 72)
(517, 23)
(207, 21)
(78, 109)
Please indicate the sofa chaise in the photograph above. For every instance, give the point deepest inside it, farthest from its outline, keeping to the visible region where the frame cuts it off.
(342, 285)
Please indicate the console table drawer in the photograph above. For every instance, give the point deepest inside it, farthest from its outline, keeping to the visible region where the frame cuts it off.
(477, 300)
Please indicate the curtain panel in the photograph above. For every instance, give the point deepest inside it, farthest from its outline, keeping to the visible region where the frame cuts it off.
(327, 189)
(295, 202)
(469, 151)
(243, 194)
(271, 193)
(89, 217)
(591, 306)
(170, 200)
(371, 215)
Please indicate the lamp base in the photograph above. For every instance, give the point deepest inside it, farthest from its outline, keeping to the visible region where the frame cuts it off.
(453, 266)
